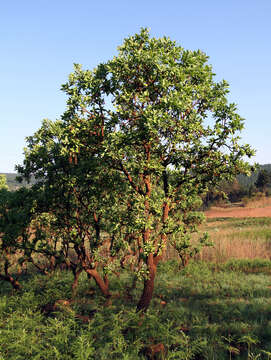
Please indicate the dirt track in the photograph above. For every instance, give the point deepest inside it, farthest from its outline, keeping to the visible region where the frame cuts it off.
(239, 212)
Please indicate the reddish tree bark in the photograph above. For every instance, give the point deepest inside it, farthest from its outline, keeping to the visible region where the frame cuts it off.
(103, 285)
(153, 260)
(147, 293)
(76, 275)
(15, 284)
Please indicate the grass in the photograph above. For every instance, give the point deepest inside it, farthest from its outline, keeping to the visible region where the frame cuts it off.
(258, 202)
(200, 312)
(218, 307)
(238, 238)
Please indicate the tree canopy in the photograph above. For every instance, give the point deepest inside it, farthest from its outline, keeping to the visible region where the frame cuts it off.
(263, 179)
(143, 137)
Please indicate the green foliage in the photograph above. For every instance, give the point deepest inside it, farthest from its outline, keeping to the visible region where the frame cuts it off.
(122, 173)
(15, 212)
(155, 133)
(76, 208)
(3, 182)
(24, 234)
(263, 179)
(199, 312)
(118, 178)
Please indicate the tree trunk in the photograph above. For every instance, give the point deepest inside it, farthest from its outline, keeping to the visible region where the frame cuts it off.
(103, 285)
(147, 293)
(52, 265)
(15, 284)
(76, 275)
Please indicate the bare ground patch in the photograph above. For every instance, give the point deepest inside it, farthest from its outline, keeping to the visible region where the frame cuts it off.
(239, 212)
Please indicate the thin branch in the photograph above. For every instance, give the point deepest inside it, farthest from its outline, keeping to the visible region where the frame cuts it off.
(129, 177)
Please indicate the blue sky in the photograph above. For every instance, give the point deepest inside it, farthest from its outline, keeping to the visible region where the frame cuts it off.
(40, 40)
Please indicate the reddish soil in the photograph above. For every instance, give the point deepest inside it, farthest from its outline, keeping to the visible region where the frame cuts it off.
(239, 212)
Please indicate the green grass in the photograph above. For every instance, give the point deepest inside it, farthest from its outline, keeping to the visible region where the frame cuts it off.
(216, 310)
(239, 222)
(200, 312)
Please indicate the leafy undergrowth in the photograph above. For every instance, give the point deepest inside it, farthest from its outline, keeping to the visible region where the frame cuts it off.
(200, 312)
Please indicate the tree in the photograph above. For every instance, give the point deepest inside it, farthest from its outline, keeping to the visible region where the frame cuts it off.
(3, 182)
(76, 210)
(15, 214)
(154, 120)
(263, 179)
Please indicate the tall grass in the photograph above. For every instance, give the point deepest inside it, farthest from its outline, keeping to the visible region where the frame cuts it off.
(248, 238)
(259, 201)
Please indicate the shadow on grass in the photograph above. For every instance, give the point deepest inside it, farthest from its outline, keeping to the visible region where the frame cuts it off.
(196, 313)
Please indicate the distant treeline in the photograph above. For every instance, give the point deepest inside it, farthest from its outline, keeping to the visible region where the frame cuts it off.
(243, 187)
(247, 181)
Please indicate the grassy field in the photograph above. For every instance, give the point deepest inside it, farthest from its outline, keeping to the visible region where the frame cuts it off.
(218, 307)
(238, 238)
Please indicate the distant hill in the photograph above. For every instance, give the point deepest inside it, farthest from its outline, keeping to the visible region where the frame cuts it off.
(12, 183)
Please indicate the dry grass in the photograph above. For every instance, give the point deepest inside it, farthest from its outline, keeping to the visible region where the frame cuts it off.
(258, 202)
(244, 232)
(238, 239)
(225, 249)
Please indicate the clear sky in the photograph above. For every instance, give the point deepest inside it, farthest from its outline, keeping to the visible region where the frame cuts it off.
(41, 39)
